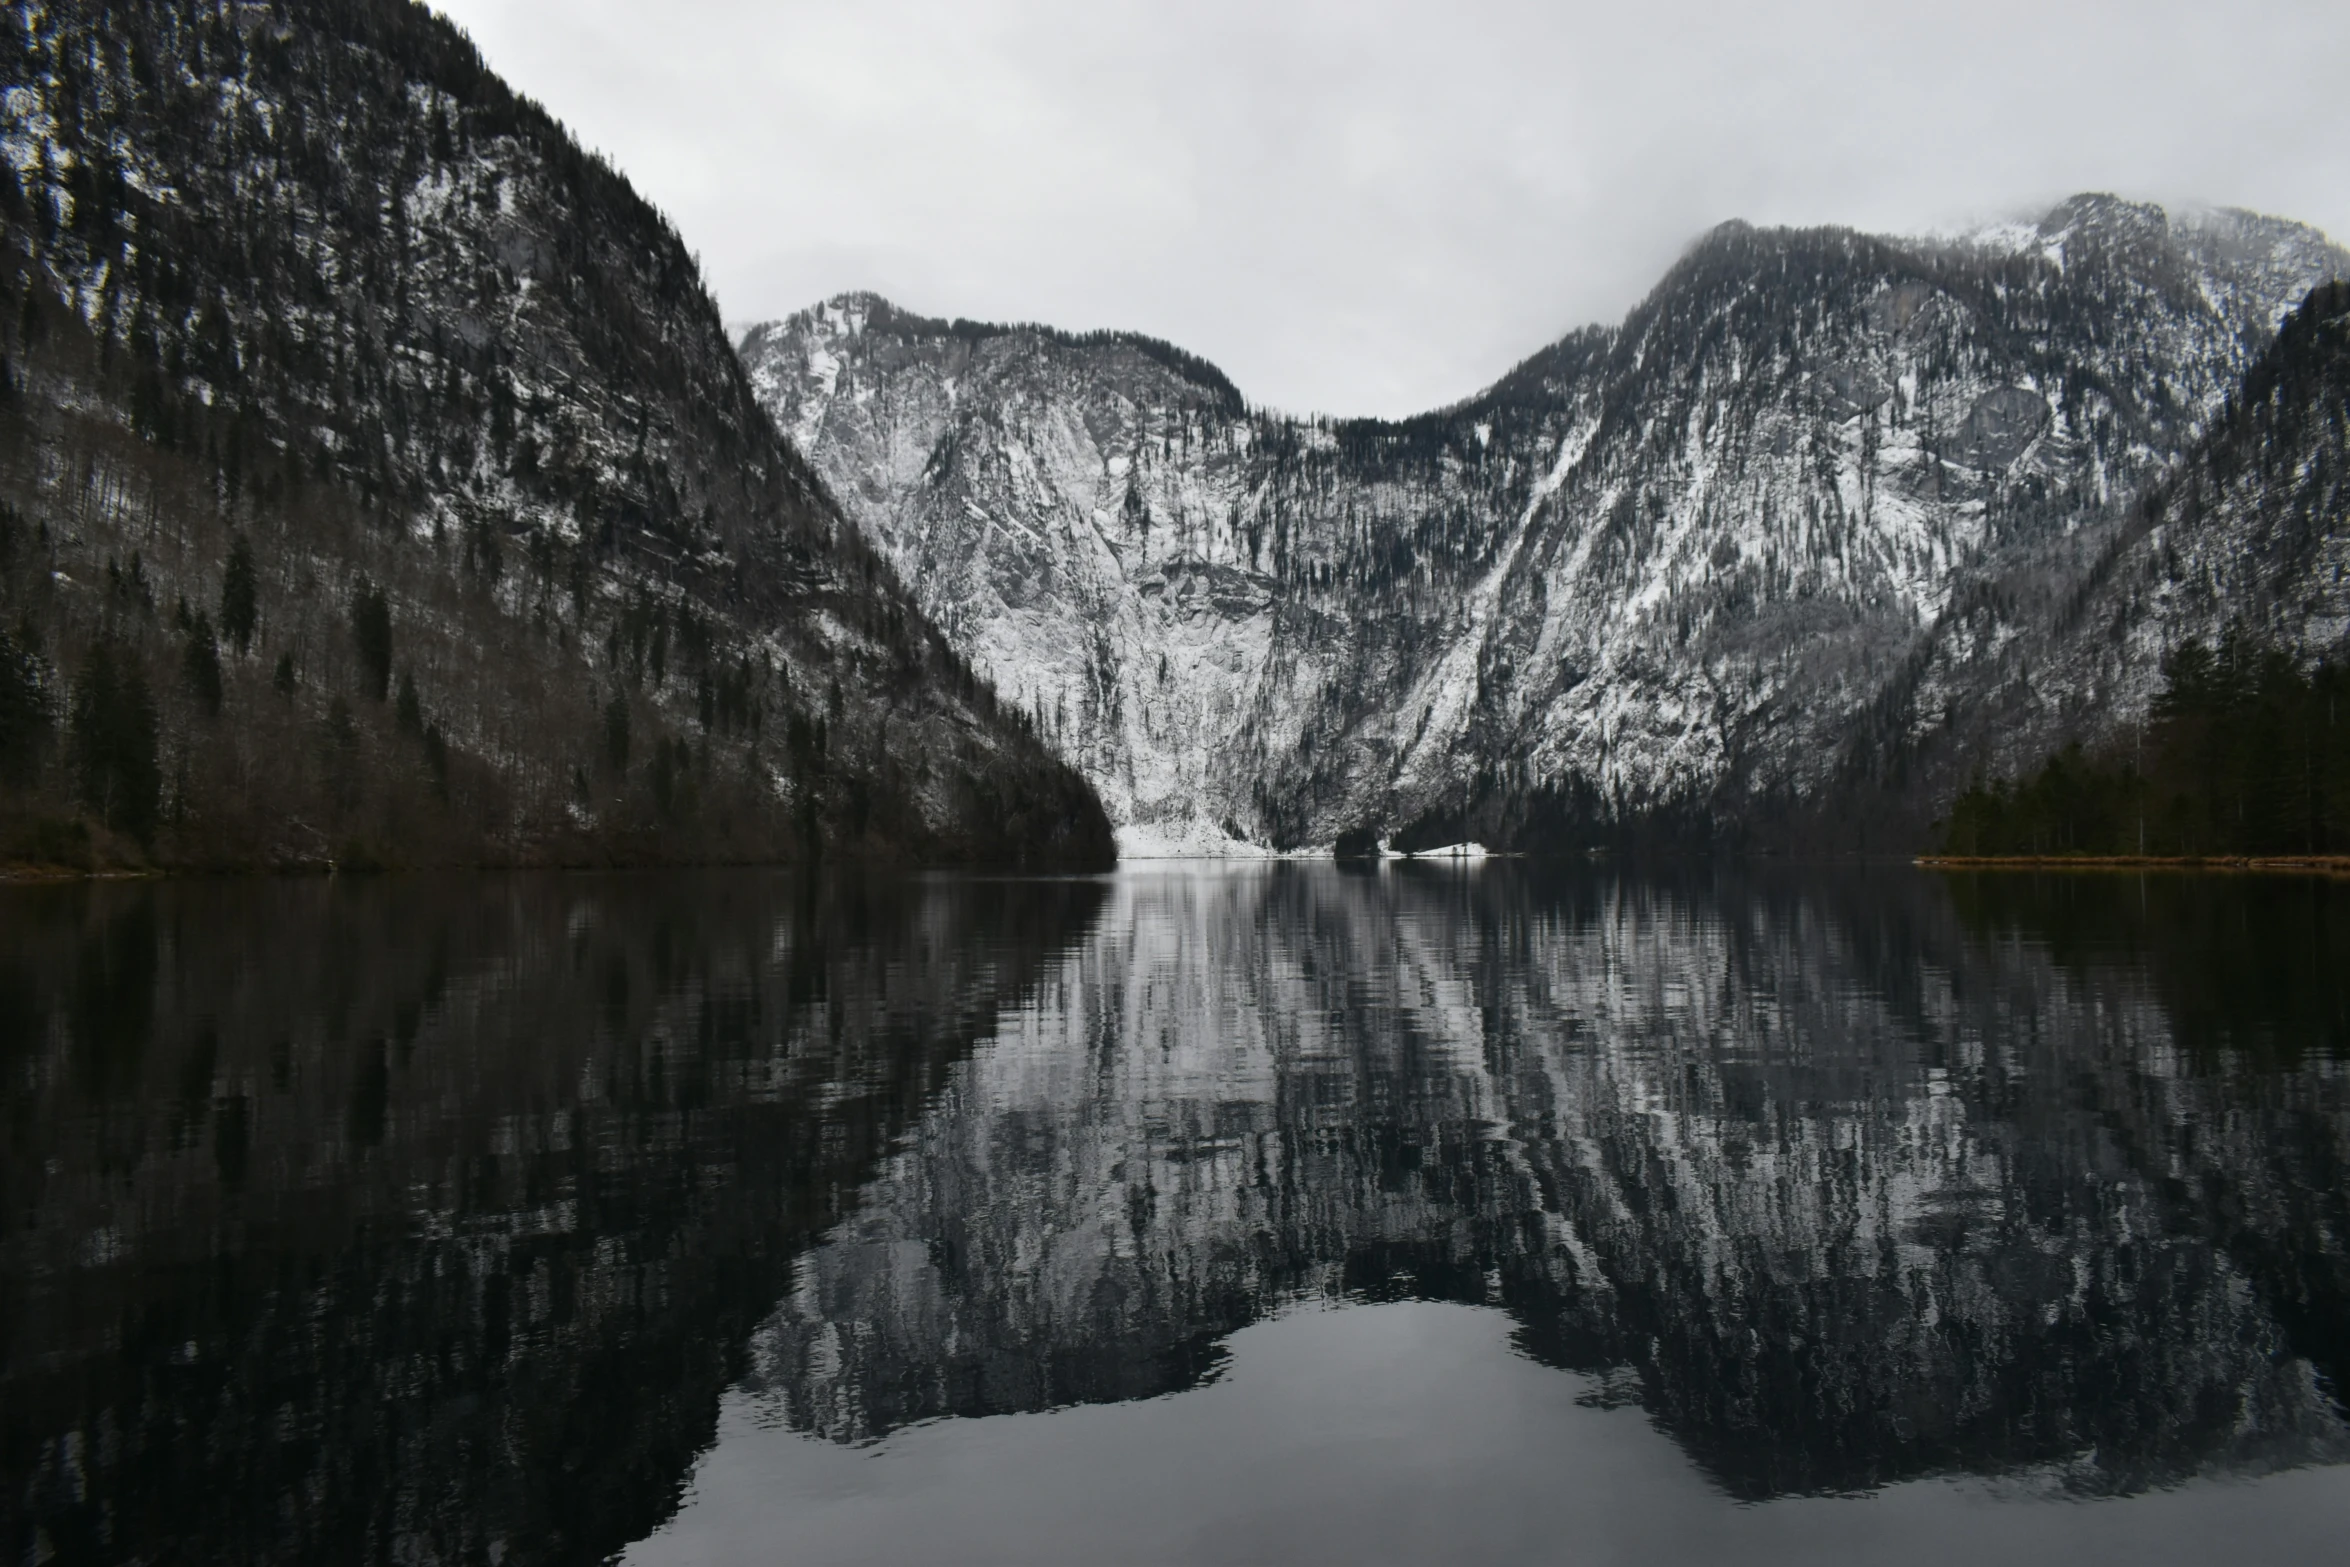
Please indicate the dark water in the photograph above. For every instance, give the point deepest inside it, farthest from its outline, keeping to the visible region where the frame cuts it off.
(1272, 1214)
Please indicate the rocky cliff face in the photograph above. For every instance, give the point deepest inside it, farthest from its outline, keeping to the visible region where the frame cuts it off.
(307, 279)
(1670, 568)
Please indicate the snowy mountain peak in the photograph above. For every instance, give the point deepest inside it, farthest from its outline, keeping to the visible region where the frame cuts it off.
(2105, 216)
(1668, 568)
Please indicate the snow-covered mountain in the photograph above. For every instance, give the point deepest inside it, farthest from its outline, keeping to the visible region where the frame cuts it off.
(1681, 568)
(2245, 534)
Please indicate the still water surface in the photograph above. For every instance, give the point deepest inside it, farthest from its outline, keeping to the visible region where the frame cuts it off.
(1273, 1213)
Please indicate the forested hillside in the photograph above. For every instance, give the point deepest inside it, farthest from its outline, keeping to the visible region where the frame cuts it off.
(2226, 586)
(377, 484)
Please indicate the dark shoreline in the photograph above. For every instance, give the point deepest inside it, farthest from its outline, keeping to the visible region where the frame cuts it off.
(49, 874)
(2303, 864)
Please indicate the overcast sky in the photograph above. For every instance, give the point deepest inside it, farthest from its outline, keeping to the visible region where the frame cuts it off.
(1375, 208)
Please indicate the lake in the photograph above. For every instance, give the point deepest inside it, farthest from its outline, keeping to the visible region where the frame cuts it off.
(1285, 1213)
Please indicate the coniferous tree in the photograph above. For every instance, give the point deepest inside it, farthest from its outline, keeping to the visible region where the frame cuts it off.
(616, 732)
(2246, 754)
(114, 750)
(436, 759)
(409, 708)
(240, 597)
(25, 717)
(201, 663)
(371, 634)
(339, 754)
(664, 779)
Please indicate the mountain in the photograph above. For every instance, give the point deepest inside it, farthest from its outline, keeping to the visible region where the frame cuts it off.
(378, 482)
(2242, 542)
(1682, 571)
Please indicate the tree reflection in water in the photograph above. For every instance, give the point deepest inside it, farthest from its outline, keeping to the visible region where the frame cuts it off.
(430, 1219)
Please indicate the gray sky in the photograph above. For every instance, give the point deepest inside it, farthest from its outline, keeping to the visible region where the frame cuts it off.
(1378, 208)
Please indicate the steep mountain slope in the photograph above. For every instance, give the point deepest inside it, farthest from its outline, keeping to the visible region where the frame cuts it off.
(306, 278)
(2247, 535)
(1172, 582)
(1673, 569)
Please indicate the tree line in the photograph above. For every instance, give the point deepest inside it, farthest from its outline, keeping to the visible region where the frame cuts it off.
(2247, 752)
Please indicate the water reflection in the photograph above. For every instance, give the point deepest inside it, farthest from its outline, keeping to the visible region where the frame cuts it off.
(426, 1220)
(431, 1220)
(1838, 1190)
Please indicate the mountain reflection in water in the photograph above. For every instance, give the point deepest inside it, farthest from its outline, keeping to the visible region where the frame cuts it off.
(436, 1220)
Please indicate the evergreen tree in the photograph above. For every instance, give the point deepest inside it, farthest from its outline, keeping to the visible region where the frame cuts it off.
(113, 721)
(664, 779)
(201, 663)
(24, 713)
(371, 633)
(339, 754)
(2247, 754)
(240, 598)
(616, 732)
(409, 709)
(436, 759)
